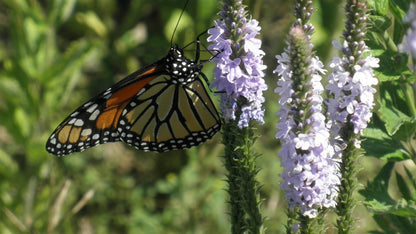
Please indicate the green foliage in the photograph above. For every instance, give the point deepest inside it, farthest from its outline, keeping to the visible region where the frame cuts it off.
(390, 214)
(391, 135)
(395, 123)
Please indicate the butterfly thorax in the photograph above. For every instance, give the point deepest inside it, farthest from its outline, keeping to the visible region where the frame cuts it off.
(181, 69)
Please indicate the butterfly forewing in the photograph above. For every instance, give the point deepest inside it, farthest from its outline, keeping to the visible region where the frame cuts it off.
(96, 121)
(80, 131)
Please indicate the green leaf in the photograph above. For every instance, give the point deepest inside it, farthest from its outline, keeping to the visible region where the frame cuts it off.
(392, 65)
(8, 167)
(409, 76)
(11, 91)
(403, 188)
(412, 181)
(36, 151)
(380, 6)
(392, 107)
(388, 213)
(399, 8)
(61, 10)
(377, 207)
(93, 21)
(18, 5)
(379, 144)
(23, 122)
(406, 131)
(393, 118)
(34, 32)
(392, 224)
(64, 75)
(131, 39)
(402, 208)
(379, 23)
(377, 189)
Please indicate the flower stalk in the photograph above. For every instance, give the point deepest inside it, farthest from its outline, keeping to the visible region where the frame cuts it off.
(350, 104)
(310, 173)
(243, 188)
(239, 80)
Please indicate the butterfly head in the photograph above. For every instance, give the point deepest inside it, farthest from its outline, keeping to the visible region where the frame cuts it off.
(180, 68)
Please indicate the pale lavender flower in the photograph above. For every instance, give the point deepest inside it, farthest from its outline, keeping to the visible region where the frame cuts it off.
(409, 43)
(239, 70)
(310, 175)
(352, 95)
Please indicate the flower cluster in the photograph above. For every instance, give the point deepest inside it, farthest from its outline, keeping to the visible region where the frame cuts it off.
(310, 176)
(239, 70)
(409, 44)
(352, 94)
(350, 91)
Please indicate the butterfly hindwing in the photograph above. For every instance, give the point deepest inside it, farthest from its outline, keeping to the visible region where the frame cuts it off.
(168, 116)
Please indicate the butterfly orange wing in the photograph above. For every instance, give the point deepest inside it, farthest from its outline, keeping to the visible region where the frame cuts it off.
(95, 122)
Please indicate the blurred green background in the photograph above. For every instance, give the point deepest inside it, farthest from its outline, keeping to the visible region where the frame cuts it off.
(56, 54)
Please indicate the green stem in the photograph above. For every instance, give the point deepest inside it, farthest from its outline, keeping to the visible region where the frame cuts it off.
(305, 224)
(232, 166)
(239, 161)
(346, 202)
(389, 42)
(409, 92)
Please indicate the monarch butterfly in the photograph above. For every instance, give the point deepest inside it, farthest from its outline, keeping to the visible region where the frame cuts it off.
(160, 107)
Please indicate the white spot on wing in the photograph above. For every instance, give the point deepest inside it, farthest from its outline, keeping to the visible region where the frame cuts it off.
(92, 108)
(94, 115)
(87, 104)
(86, 132)
(107, 96)
(79, 122)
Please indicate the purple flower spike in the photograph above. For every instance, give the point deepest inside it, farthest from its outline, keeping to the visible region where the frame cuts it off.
(310, 174)
(352, 96)
(409, 43)
(239, 70)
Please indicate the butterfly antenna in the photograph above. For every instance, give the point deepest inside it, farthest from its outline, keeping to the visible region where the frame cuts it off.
(177, 23)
